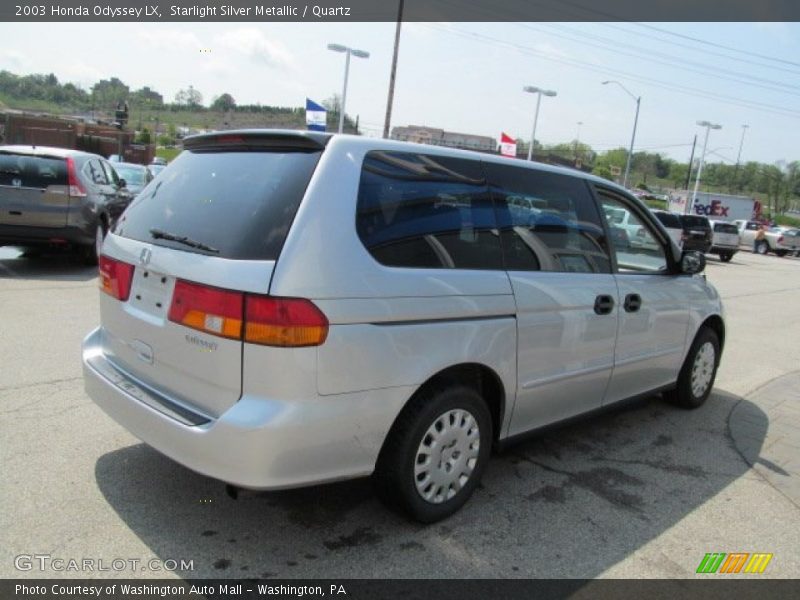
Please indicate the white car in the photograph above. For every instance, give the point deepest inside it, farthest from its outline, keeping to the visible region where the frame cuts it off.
(672, 223)
(726, 240)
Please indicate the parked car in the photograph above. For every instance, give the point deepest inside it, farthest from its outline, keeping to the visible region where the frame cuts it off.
(115, 158)
(58, 197)
(135, 176)
(774, 240)
(158, 160)
(698, 234)
(725, 241)
(156, 169)
(672, 223)
(783, 240)
(791, 240)
(291, 308)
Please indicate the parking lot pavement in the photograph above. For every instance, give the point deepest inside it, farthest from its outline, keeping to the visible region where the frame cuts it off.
(643, 491)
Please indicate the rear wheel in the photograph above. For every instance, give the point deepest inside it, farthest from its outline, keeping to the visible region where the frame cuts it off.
(762, 247)
(91, 254)
(725, 257)
(434, 456)
(696, 378)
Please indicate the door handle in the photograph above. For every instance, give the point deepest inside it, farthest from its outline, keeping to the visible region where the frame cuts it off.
(603, 304)
(633, 302)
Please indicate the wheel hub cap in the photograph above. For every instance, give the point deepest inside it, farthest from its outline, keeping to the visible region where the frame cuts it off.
(447, 456)
(703, 369)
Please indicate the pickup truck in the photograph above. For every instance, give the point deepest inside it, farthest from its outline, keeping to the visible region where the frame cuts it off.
(774, 239)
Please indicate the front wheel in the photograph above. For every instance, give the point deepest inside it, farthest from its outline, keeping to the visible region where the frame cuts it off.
(696, 378)
(434, 456)
(762, 248)
(725, 257)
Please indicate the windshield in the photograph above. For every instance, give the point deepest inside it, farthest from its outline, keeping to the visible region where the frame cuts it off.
(131, 174)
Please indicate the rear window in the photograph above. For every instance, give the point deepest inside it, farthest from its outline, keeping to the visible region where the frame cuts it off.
(725, 228)
(693, 221)
(239, 203)
(22, 170)
(668, 220)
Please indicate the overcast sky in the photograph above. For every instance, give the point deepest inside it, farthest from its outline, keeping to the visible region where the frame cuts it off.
(466, 77)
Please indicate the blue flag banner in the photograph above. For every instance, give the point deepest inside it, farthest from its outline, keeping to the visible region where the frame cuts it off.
(315, 116)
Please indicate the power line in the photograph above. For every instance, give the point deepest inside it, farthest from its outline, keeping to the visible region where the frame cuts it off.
(715, 45)
(703, 68)
(781, 110)
(651, 37)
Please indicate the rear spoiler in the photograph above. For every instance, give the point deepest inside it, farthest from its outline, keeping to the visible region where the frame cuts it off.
(258, 139)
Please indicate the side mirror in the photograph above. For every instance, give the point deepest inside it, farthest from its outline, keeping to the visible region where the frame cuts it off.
(123, 183)
(693, 262)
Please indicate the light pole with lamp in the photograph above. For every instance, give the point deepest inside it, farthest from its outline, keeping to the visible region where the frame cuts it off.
(357, 53)
(709, 126)
(578, 139)
(638, 100)
(539, 93)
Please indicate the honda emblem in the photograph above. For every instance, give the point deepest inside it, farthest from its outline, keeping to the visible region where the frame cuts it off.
(144, 257)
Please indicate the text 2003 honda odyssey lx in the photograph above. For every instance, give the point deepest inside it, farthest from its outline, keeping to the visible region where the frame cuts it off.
(285, 308)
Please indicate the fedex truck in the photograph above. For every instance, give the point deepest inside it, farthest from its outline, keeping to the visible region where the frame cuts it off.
(721, 207)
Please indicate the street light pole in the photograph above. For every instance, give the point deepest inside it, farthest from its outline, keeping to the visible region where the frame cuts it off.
(348, 51)
(578, 139)
(539, 93)
(638, 100)
(709, 126)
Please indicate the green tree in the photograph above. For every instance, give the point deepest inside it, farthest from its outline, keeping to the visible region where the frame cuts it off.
(223, 103)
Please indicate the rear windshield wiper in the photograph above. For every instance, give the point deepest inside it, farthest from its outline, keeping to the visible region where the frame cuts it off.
(165, 235)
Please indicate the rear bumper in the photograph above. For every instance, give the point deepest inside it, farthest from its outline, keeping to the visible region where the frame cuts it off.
(699, 245)
(258, 443)
(22, 235)
(723, 249)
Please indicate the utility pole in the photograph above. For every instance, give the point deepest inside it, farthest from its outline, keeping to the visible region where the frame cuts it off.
(739, 156)
(390, 100)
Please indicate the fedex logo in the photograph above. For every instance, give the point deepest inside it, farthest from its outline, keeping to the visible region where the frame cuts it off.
(715, 209)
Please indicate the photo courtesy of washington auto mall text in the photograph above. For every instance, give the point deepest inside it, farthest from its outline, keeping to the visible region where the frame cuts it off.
(72, 591)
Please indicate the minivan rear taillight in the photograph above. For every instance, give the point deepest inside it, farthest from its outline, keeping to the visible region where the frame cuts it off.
(115, 277)
(266, 320)
(208, 309)
(289, 322)
(76, 188)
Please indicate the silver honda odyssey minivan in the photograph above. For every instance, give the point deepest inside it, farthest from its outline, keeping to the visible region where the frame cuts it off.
(283, 308)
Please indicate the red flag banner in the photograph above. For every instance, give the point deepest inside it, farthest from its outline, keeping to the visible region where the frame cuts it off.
(508, 145)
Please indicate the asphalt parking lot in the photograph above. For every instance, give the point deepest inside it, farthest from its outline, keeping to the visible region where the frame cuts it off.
(644, 491)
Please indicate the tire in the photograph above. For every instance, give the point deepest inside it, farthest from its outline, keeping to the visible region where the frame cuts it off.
(781, 253)
(762, 248)
(725, 257)
(456, 417)
(696, 378)
(91, 254)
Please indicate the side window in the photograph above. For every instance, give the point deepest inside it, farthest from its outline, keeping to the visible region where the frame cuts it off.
(111, 174)
(548, 221)
(417, 210)
(94, 171)
(636, 245)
